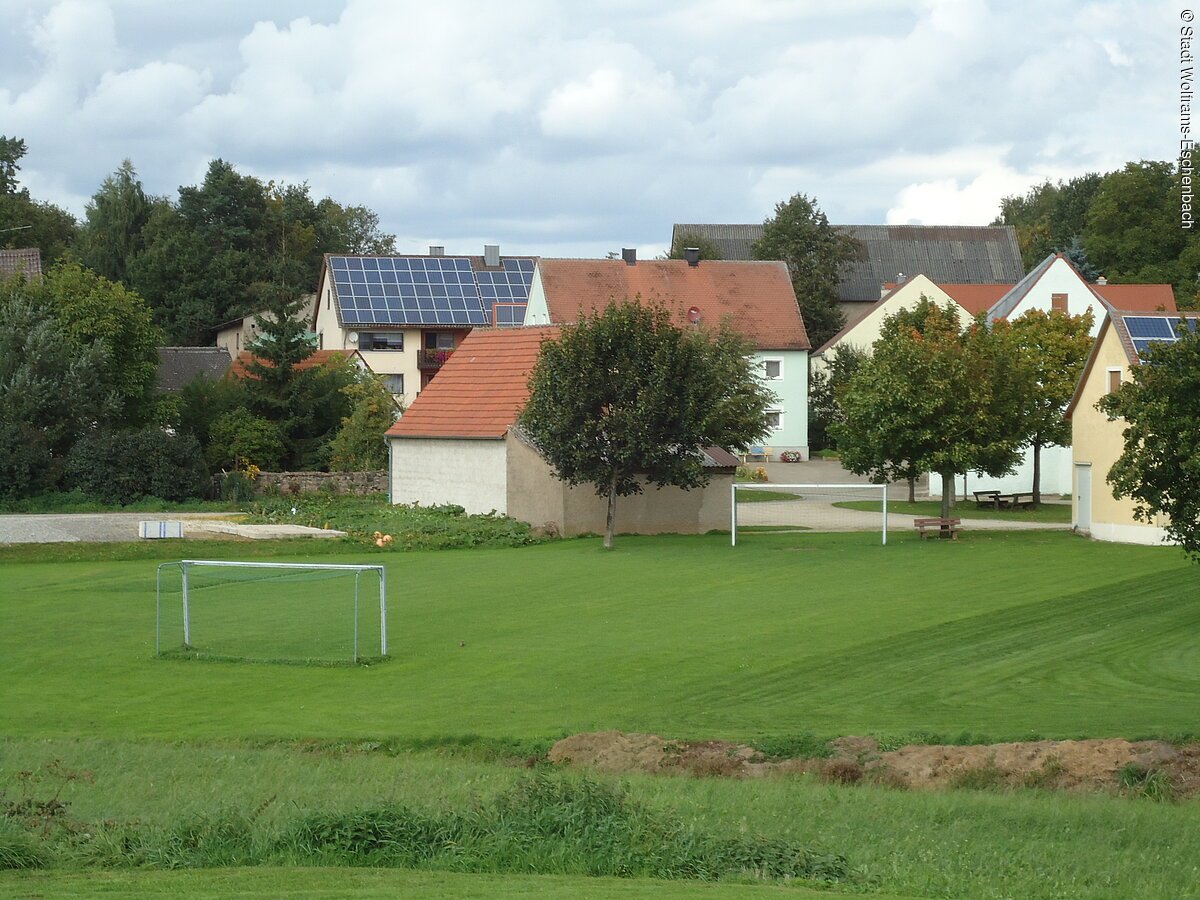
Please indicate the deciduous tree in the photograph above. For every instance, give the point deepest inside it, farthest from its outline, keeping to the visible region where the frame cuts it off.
(800, 235)
(624, 397)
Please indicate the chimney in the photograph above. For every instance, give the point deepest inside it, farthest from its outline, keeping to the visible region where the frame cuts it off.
(491, 254)
(437, 250)
(1101, 280)
(883, 290)
(692, 255)
(629, 254)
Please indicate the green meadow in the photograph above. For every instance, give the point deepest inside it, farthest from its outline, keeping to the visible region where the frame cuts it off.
(495, 653)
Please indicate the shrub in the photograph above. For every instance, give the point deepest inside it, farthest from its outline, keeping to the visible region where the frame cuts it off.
(239, 434)
(125, 466)
(745, 473)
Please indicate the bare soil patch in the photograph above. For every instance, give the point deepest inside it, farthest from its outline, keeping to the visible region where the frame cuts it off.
(1109, 764)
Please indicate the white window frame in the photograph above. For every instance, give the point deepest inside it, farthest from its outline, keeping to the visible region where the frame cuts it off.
(387, 382)
(773, 359)
(1108, 374)
(369, 335)
(778, 413)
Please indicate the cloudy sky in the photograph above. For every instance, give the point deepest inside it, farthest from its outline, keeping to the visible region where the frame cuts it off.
(575, 128)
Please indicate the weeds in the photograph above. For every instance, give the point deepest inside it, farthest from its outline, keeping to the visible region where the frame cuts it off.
(1147, 781)
(987, 777)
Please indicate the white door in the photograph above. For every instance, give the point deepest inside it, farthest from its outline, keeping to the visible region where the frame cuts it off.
(1083, 497)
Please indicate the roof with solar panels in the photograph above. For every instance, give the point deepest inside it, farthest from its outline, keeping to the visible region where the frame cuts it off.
(431, 291)
(1138, 333)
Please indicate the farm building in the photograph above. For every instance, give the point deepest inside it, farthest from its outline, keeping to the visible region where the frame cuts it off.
(1096, 440)
(458, 444)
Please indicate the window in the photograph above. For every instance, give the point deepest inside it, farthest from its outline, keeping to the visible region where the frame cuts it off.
(381, 340)
(394, 383)
(1114, 380)
(1058, 303)
(320, 340)
(439, 340)
(775, 419)
(773, 369)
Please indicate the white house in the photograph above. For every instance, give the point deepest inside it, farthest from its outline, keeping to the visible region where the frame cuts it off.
(755, 297)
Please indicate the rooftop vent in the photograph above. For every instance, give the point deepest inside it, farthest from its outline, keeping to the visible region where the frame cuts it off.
(692, 255)
(491, 254)
(1101, 280)
(437, 250)
(629, 254)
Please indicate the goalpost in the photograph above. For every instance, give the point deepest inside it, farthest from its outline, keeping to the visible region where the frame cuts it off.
(758, 507)
(306, 613)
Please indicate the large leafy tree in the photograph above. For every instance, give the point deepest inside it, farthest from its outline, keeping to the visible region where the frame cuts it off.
(49, 392)
(1159, 468)
(25, 222)
(1051, 217)
(95, 312)
(824, 391)
(800, 235)
(624, 397)
(359, 444)
(940, 399)
(708, 249)
(1055, 346)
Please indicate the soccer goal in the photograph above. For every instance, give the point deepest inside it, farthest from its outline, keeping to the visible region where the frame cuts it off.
(757, 508)
(296, 613)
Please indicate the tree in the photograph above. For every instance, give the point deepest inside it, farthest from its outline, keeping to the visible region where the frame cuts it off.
(238, 436)
(49, 394)
(624, 396)
(25, 222)
(113, 224)
(359, 444)
(824, 389)
(940, 400)
(95, 312)
(707, 247)
(801, 236)
(1051, 217)
(1055, 347)
(1159, 468)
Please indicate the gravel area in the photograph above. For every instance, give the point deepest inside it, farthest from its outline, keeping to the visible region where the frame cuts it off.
(73, 527)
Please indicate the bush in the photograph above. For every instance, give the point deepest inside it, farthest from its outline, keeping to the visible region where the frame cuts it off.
(125, 466)
(238, 435)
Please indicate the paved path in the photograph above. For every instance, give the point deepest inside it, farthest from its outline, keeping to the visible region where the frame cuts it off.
(74, 527)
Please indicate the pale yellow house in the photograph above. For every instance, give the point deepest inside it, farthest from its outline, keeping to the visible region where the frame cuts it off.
(237, 335)
(1097, 441)
(968, 300)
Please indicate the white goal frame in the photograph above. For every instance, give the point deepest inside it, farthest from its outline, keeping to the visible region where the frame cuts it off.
(185, 565)
(879, 489)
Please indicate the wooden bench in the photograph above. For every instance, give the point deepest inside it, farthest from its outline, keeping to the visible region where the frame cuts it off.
(1024, 499)
(763, 453)
(937, 527)
(987, 499)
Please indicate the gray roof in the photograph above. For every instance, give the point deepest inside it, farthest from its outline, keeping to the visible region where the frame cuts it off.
(27, 262)
(179, 365)
(954, 254)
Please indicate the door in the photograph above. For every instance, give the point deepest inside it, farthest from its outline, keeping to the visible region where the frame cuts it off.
(1083, 497)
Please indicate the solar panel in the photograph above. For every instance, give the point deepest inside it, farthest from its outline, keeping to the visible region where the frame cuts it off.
(508, 315)
(407, 291)
(1150, 327)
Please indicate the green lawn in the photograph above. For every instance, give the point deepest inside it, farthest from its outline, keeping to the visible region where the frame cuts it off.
(999, 634)
(1049, 513)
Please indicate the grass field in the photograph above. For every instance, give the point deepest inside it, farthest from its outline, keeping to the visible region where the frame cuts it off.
(997, 636)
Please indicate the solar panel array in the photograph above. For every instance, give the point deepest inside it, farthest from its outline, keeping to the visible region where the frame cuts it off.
(425, 290)
(506, 292)
(1147, 330)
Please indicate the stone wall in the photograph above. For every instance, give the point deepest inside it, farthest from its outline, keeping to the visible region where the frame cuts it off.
(314, 482)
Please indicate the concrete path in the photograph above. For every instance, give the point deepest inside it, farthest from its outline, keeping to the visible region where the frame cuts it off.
(75, 527)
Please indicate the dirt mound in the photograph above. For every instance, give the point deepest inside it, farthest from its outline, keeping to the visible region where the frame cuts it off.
(1083, 765)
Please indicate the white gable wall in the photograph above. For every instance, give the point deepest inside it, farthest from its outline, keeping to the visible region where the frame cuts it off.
(537, 312)
(471, 473)
(1060, 278)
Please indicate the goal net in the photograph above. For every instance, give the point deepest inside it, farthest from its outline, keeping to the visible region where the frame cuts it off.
(758, 508)
(272, 612)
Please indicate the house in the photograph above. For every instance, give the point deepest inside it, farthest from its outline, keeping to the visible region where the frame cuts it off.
(458, 444)
(1096, 440)
(178, 366)
(1055, 285)
(236, 335)
(26, 262)
(755, 297)
(407, 314)
(951, 254)
(968, 299)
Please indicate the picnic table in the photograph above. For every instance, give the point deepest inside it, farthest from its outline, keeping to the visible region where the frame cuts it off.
(997, 501)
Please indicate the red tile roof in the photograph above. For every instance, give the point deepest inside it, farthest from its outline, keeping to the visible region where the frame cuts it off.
(26, 261)
(976, 298)
(240, 367)
(480, 390)
(757, 297)
(1139, 297)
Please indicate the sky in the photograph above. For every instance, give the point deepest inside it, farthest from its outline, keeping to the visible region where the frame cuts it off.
(579, 128)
